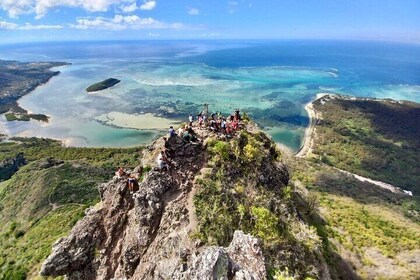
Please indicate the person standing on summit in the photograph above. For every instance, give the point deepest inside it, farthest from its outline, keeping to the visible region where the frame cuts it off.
(172, 132)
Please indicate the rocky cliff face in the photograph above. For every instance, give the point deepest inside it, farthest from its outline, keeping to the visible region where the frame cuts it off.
(148, 234)
(8, 167)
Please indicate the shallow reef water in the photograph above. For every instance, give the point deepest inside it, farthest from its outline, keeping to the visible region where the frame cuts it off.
(270, 80)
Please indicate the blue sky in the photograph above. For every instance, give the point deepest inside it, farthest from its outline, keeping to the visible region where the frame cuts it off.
(52, 20)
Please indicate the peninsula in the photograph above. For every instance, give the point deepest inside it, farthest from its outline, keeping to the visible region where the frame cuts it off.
(370, 137)
(103, 85)
(20, 78)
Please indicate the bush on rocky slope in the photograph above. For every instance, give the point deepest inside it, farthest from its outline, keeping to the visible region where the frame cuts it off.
(246, 188)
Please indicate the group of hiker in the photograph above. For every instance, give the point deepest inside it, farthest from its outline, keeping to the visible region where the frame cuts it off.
(216, 123)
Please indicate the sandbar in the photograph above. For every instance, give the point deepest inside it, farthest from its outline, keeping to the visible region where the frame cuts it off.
(136, 121)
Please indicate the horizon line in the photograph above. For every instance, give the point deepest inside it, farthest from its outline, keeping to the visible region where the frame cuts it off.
(410, 42)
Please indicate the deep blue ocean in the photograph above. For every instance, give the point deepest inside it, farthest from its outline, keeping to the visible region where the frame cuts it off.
(270, 80)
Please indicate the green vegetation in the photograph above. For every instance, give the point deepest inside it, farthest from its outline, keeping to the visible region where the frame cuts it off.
(22, 254)
(103, 85)
(39, 148)
(20, 78)
(234, 195)
(375, 139)
(25, 117)
(368, 227)
(375, 230)
(43, 199)
(13, 117)
(359, 229)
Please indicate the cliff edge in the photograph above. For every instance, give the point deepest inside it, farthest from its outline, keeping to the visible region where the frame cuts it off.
(164, 229)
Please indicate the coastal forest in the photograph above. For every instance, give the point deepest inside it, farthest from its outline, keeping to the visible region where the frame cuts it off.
(371, 138)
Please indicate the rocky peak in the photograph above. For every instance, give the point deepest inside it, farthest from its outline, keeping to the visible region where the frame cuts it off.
(147, 235)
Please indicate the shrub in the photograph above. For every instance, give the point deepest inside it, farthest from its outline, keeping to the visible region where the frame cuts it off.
(18, 233)
(221, 149)
(265, 223)
(278, 274)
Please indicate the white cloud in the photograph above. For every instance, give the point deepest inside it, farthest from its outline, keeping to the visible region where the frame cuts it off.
(120, 22)
(29, 26)
(129, 8)
(16, 8)
(148, 5)
(4, 25)
(193, 12)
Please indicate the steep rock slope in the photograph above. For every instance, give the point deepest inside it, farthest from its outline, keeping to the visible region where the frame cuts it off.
(162, 230)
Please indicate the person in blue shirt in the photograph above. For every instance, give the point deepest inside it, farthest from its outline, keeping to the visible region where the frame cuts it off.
(172, 131)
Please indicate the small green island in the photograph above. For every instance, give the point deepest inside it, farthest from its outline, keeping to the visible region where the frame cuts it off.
(103, 85)
(25, 117)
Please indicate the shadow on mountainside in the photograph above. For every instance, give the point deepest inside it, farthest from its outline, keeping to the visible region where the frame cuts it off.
(374, 139)
(394, 120)
(340, 184)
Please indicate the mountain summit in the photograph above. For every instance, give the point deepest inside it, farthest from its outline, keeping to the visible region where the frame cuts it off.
(189, 222)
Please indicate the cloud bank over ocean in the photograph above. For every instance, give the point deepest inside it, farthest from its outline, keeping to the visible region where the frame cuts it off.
(43, 20)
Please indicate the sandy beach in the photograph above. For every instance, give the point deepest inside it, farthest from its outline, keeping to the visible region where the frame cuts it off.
(306, 147)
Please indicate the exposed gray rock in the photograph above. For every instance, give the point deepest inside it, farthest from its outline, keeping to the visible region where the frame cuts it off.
(74, 254)
(10, 166)
(243, 275)
(212, 263)
(146, 235)
(246, 253)
(118, 240)
(242, 260)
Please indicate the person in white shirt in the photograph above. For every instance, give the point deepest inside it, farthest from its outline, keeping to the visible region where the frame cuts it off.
(162, 161)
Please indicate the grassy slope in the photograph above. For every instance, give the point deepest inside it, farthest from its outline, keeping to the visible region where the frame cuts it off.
(379, 140)
(38, 148)
(376, 230)
(44, 199)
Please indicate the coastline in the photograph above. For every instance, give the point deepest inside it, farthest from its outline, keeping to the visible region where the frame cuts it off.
(10, 95)
(307, 145)
(305, 149)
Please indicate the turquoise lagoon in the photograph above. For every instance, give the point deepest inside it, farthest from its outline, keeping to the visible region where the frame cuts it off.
(270, 80)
